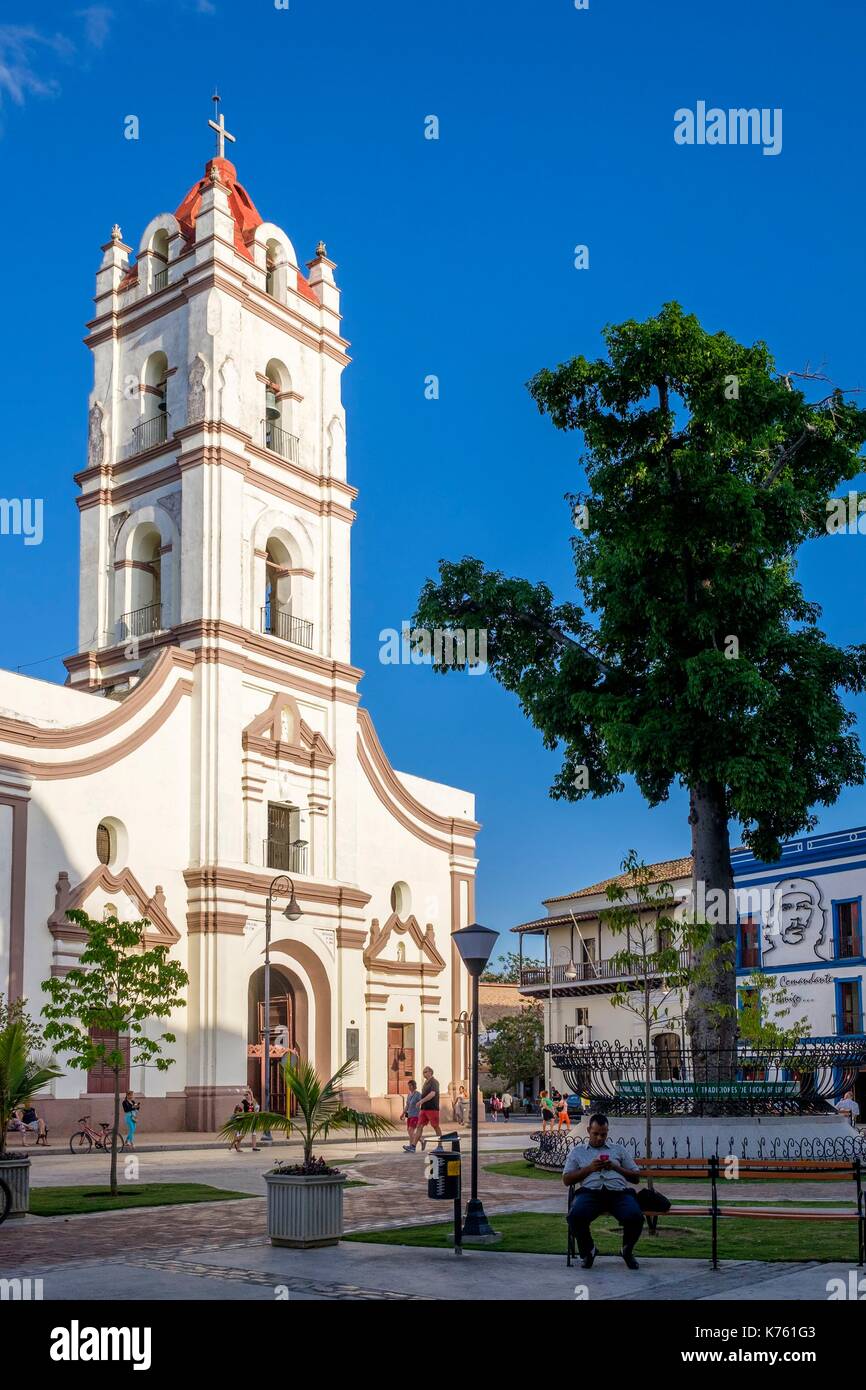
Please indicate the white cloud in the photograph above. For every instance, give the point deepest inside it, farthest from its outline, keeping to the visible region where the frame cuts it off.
(97, 22)
(19, 47)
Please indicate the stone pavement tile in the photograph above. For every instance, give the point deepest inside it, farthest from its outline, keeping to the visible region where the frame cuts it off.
(352, 1271)
(796, 1283)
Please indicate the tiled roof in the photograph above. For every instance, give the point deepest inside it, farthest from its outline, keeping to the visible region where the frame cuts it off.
(666, 871)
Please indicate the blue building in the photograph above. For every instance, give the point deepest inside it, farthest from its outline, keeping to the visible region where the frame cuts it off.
(801, 918)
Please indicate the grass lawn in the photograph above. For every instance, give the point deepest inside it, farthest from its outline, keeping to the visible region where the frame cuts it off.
(539, 1233)
(69, 1201)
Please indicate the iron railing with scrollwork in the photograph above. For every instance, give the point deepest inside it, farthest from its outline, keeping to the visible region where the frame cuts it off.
(801, 1078)
(551, 1150)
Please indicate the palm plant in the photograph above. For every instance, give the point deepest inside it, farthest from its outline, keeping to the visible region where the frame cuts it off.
(22, 1076)
(319, 1110)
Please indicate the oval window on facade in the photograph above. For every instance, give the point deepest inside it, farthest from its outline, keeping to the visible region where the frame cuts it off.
(103, 843)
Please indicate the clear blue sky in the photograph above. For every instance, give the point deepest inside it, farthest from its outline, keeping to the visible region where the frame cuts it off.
(455, 258)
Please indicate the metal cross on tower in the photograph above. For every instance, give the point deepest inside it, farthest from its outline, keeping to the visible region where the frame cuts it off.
(220, 127)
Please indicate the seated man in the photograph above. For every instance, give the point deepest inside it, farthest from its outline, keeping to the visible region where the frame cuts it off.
(33, 1123)
(604, 1172)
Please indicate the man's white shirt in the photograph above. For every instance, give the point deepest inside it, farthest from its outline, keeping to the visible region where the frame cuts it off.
(582, 1154)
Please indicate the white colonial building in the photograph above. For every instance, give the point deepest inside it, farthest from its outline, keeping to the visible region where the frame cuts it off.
(209, 735)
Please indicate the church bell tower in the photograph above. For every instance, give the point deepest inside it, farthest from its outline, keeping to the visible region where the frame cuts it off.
(214, 505)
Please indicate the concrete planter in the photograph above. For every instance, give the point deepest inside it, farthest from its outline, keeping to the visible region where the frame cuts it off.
(304, 1212)
(15, 1172)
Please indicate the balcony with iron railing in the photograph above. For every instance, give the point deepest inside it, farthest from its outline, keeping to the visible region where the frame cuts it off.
(849, 1024)
(278, 623)
(584, 974)
(578, 1034)
(141, 621)
(150, 433)
(289, 858)
(279, 441)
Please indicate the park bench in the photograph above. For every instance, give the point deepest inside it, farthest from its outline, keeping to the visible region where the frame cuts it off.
(755, 1169)
(28, 1137)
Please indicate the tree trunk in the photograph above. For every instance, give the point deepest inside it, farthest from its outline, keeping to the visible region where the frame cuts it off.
(116, 1126)
(648, 1082)
(713, 1037)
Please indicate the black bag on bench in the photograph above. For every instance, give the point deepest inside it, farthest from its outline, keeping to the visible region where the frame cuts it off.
(652, 1202)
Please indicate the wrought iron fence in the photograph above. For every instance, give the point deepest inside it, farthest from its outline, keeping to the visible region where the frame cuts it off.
(284, 625)
(551, 1150)
(149, 433)
(141, 621)
(802, 1078)
(279, 441)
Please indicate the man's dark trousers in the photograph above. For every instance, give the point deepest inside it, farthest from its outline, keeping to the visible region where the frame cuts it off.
(592, 1202)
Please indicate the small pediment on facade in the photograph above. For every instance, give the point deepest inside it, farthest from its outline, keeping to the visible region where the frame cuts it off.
(383, 951)
(280, 731)
(120, 895)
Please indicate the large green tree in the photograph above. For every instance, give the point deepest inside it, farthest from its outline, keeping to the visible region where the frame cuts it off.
(694, 657)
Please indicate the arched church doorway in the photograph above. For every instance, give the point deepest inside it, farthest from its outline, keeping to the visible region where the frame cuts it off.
(284, 1014)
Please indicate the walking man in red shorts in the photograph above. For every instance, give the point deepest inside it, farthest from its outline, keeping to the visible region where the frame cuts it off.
(429, 1107)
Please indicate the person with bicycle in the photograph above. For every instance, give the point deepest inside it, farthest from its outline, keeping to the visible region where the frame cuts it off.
(131, 1107)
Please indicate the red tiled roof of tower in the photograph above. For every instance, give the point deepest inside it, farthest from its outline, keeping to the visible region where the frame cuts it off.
(244, 213)
(665, 871)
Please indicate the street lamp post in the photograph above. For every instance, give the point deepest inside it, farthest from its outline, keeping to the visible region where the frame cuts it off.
(282, 885)
(475, 944)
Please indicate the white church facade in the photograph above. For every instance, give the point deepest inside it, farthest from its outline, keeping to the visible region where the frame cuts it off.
(209, 736)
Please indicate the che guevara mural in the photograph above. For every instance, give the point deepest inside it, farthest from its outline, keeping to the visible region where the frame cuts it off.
(796, 927)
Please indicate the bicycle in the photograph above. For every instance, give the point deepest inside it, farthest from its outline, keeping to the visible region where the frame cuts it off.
(84, 1139)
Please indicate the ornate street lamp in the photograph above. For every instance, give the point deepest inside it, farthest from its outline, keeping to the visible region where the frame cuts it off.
(281, 886)
(475, 944)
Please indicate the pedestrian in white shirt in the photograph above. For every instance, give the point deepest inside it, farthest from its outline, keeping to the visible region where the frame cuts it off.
(848, 1106)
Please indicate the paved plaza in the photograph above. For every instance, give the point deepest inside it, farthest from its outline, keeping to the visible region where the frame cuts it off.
(220, 1250)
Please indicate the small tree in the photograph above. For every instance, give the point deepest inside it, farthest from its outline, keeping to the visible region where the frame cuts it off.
(22, 1076)
(503, 970)
(665, 955)
(516, 1050)
(15, 1011)
(764, 1004)
(118, 987)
